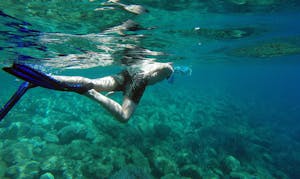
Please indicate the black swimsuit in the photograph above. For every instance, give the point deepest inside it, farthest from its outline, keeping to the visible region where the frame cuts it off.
(133, 86)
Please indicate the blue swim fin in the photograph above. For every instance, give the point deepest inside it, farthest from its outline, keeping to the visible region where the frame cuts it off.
(39, 78)
(15, 98)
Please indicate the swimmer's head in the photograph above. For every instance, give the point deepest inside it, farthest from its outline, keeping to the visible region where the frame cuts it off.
(156, 72)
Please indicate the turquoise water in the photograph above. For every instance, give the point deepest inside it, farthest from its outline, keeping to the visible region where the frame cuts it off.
(236, 116)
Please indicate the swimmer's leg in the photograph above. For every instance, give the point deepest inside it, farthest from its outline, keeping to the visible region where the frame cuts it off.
(108, 83)
(132, 95)
(122, 113)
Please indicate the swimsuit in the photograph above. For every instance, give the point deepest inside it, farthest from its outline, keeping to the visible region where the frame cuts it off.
(133, 86)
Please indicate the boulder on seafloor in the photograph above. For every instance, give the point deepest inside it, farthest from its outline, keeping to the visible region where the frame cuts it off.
(183, 158)
(162, 130)
(71, 132)
(77, 150)
(53, 163)
(97, 169)
(2, 168)
(231, 164)
(25, 169)
(62, 166)
(138, 159)
(36, 130)
(14, 130)
(165, 165)
(131, 172)
(47, 175)
(211, 175)
(173, 176)
(52, 138)
(240, 175)
(191, 171)
(14, 153)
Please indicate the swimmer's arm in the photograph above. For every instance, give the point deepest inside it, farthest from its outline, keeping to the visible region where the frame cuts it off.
(122, 113)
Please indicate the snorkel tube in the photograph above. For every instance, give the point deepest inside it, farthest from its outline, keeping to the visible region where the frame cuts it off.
(180, 70)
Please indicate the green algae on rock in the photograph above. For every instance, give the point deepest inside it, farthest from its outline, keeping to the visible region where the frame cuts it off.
(230, 164)
(267, 50)
(254, 2)
(230, 33)
(219, 34)
(191, 171)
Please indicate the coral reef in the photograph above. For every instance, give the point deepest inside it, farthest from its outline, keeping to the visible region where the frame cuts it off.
(157, 143)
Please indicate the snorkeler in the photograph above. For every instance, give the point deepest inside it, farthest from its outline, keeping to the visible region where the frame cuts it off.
(131, 81)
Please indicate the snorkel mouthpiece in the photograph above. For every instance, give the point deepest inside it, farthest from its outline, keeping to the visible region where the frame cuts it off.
(183, 70)
(180, 70)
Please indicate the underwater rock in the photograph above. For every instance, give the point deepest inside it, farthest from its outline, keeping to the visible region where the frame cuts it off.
(238, 2)
(211, 162)
(59, 124)
(36, 130)
(14, 130)
(267, 157)
(191, 171)
(173, 176)
(218, 172)
(183, 158)
(2, 168)
(53, 163)
(17, 152)
(25, 169)
(51, 149)
(211, 175)
(116, 157)
(162, 130)
(97, 169)
(63, 166)
(221, 34)
(240, 175)
(165, 165)
(254, 2)
(51, 138)
(266, 50)
(131, 172)
(71, 132)
(138, 159)
(231, 164)
(77, 150)
(211, 152)
(47, 176)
